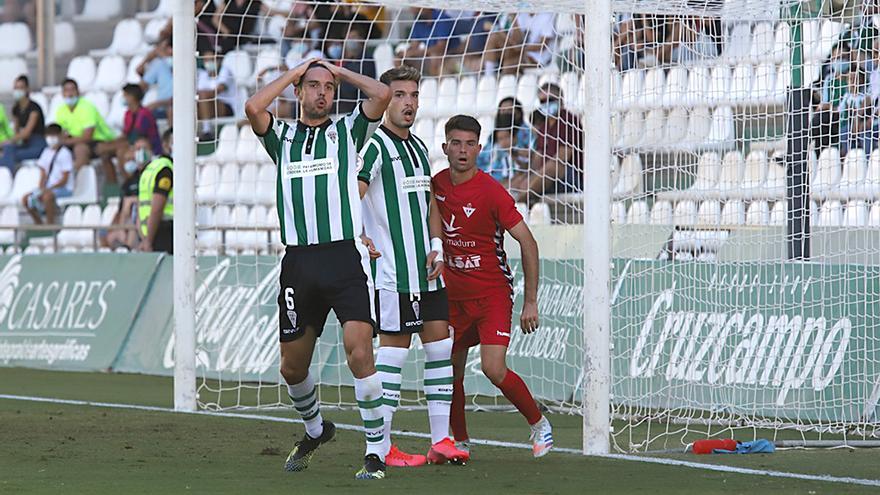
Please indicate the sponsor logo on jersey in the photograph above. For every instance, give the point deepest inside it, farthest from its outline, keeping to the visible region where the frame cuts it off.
(450, 228)
(502, 334)
(465, 263)
(308, 168)
(419, 183)
(468, 210)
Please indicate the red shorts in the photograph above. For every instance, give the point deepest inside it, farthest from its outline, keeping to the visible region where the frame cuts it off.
(486, 320)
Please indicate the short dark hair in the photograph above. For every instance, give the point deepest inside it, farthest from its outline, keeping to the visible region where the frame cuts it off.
(167, 134)
(134, 90)
(463, 123)
(311, 66)
(401, 73)
(70, 81)
(504, 122)
(23, 78)
(53, 128)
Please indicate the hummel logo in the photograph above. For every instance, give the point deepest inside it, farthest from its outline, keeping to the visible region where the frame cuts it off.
(502, 334)
(468, 210)
(450, 228)
(440, 198)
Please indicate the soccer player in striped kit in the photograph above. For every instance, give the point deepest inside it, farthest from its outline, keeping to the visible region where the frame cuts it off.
(402, 222)
(325, 265)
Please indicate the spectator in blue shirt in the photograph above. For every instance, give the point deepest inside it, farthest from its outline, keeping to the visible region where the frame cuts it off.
(156, 70)
(506, 153)
(429, 40)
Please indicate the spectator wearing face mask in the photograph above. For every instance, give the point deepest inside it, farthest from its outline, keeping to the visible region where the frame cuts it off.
(156, 71)
(137, 158)
(156, 201)
(430, 38)
(506, 153)
(139, 120)
(556, 156)
(29, 139)
(349, 52)
(215, 84)
(56, 178)
(85, 130)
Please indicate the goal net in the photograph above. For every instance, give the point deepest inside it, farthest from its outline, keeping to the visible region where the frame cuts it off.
(744, 249)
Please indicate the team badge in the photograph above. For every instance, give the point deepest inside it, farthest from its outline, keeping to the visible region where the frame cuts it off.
(468, 210)
(415, 308)
(291, 315)
(333, 136)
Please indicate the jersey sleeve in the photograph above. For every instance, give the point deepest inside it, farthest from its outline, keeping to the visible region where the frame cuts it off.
(164, 182)
(271, 140)
(505, 208)
(360, 126)
(370, 162)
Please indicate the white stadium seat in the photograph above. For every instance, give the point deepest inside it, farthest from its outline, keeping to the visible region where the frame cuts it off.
(85, 188)
(872, 177)
(780, 85)
(428, 89)
(697, 86)
(99, 10)
(131, 75)
(383, 56)
(758, 213)
(506, 88)
(685, 213)
(762, 43)
(676, 126)
(741, 83)
(8, 216)
(781, 50)
(638, 213)
(239, 63)
(110, 75)
(763, 84)
(775, 183)
(631, 88)
(655, 128)
(652, 93)
(709, 213)
(633, 129)
(226, 190)
(247, 184)
(91, 216)
(732, 170)
(82, 69)
(207, 182)
(65, 39)
(16, 38)
(41, 100)
(26, 179)
(719, 84)
(855, 214)
(618, 212)
(10, 69)
(852, 179)
(874, 216)
(69, 238)
(116, 114)
(128, 39)
(487, 89)
(676, 87)
(5, 182)
(661, 213)
(100, 100)
(722, 131)
(248, 147)
(732, 213)
(754, 175)
(830, 214)
(707, 172)
(266, 187)
(777, 214)
(699, 127)
(827, 174)
(227, 141)
(447, 92)
(153, 29)
(629, 183)
(527, 91)
(466, 99)
(738, 45)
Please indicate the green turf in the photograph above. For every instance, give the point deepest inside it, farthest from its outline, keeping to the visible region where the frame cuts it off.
(51, 448)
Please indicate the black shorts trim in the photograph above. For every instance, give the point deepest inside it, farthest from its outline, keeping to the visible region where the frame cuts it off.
(410, 312)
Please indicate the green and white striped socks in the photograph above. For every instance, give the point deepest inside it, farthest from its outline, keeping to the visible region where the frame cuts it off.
(438, 386)
(389, 361)
(305, 400)
(368, 393)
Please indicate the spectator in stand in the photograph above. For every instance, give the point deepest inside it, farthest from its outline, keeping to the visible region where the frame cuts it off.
(137, 158)
(521, 41)
(138, 122)
(215, 85)
(56, 178)
(429, 40)
(85, 131)
(855, 110)
(691, 39)
(156, 201)
(20, 11)
(556, 157)
(297, 34)
(235, 21)
(206, 33)
(156, 70)
(29, 139)
(476, 40)
(351, 53)
(827, 93)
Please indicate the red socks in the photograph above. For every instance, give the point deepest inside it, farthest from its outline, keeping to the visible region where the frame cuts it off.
(456, 413)
(518, 394)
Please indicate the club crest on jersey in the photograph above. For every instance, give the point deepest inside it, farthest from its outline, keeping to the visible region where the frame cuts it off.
(333, 136)
(291, 315)
(468, 210)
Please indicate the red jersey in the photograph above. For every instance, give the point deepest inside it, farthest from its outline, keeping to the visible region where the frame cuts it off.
(475, 216)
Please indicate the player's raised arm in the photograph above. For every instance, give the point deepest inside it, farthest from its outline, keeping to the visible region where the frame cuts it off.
(378, 93)
(256, 105)
(529, 252)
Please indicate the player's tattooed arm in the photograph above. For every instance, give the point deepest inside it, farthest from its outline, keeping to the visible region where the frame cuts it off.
(529, 250)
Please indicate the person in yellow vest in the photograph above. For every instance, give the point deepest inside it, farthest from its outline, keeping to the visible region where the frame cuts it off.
(156, 201)
(86, 131)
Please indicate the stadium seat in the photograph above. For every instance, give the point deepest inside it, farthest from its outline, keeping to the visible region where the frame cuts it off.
(523, 210)
(506, 88)
(131, 75)
(706, 176)
(466, 99)
(260, 216)
(754, 175)
(265, 186)
(32, 250)
(783, 80)
(697, 86)
(874, 216)
(775, 183)
(540, 214)
(638, 213)
(661, 213)
(238, 240)
(487, 125)
(685, 213)
(872, 177)
(383, 57)
(5, 182)
(709, 213)
(758, 213)
(128, 39)
(116, 114)
(65, 39)
(826, 178)
(629, 183)
(100, 100)
(763, 85)
(428, 89)
(27, 178)
(652, 93)
(732, 213)
(85, 188)
(99, 10)
(67, 238)
(618, 212)
(227, 141)
(676, 87)
(8, 216)
(226, 190)
(164, 9)
(719, 85)
(527, 92)
(814, 213)
(732, 170)
(247, 184)
(41, 100)
(267, 58)
(761, 49)
(738, 45)
(439, 137)
(82, 69)
(110, 75)
(239, 63)
(10, 69)
(633, 129)
(16, 38)
(631, 88)
(852, 179)
(211, 239)
(855, 214)
(655, 127)
(447, 95)
(487, 89)
(676, 126)
(248, 147)
(568, 82)
(91, 216)
(153, 29)
(108, 213)
(741, 84)
(424, 129)
(207, 182)
(830, 214)
(723, 130)
(781, 49)
(777, 214)
(699, 127)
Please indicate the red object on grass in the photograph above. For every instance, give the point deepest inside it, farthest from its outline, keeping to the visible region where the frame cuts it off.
(709, 446)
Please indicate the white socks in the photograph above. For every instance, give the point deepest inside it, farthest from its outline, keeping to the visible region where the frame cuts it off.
(368, 393)
(305, 400)
(438, 386)
(389, 362)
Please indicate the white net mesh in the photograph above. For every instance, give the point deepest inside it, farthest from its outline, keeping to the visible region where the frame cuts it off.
(744, 212)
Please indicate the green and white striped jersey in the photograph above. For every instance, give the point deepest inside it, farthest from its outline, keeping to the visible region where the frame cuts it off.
(317, 193)
(396, 210)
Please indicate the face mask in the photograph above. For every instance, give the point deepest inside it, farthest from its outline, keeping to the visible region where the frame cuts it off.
(840, 66)
(71, 100)
(18, 94)
(130, 167)
(550, 108)
(141, 155)
(354, 48)
(334, 51)
(169, 60)
(211, 66)
(51, 141)
(299, 48)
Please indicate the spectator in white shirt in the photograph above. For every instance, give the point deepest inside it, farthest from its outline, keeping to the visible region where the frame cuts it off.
(56, 178)
(521, 41)
(217, 93)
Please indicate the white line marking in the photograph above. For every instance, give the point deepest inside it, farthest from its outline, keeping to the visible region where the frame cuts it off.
(493, 443)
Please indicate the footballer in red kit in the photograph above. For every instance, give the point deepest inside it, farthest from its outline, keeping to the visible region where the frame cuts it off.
(477, 211)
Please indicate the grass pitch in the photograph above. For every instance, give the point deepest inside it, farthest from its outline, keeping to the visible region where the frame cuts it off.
(58, 448)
